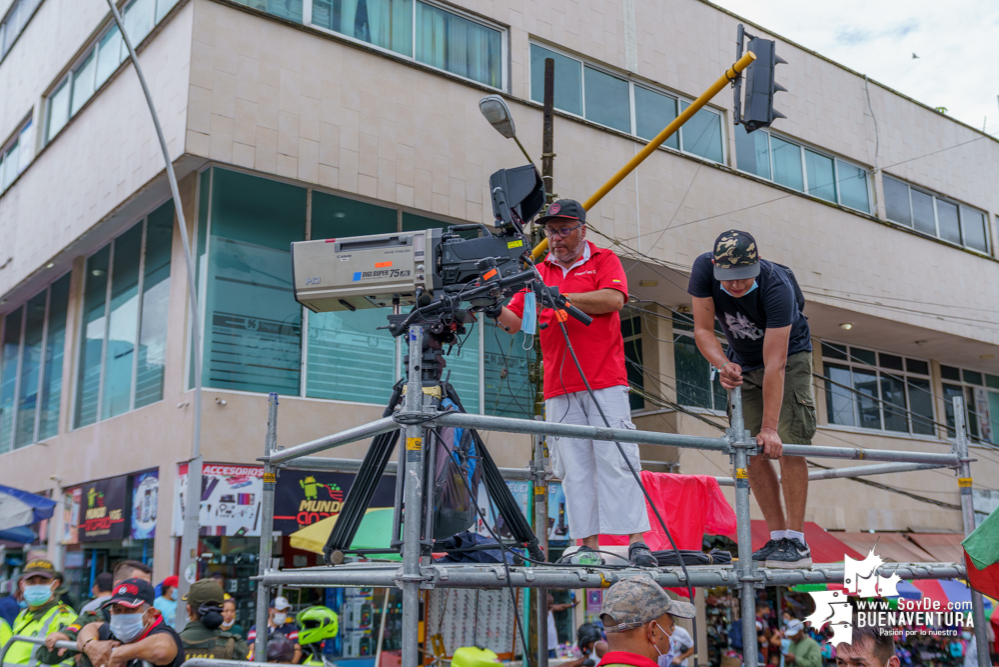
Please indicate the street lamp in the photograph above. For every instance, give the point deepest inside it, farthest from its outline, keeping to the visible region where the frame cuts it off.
(494, 108)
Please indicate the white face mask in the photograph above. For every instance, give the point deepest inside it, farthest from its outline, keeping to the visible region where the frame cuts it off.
(226, 626)
(280, 618)
(665, 660)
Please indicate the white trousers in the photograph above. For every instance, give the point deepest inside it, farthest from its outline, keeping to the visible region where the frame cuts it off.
(601, 496)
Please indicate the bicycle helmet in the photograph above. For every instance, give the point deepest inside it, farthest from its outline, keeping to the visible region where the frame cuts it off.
(316, 624)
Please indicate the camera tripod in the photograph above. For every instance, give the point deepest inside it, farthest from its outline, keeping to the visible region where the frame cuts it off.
(419, 398)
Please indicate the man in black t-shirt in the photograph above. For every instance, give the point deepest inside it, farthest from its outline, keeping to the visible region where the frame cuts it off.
(770, 356)
(137, 631)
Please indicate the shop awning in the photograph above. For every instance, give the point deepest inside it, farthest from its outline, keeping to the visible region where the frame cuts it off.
(21, 508)
(825, 547)
(944, 547)
(892, 547)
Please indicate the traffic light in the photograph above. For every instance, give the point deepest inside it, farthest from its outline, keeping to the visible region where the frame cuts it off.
(758, 110)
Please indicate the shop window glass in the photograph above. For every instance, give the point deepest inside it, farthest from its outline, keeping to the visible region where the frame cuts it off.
(457, 45)
(252, 321)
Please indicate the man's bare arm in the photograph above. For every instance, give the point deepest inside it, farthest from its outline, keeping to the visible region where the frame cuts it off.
(508, 321)
(159, 649)
(600, 302)
(709, 345)
(774, 361)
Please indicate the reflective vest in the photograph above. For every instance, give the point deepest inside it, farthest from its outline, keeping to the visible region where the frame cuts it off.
(38, 623)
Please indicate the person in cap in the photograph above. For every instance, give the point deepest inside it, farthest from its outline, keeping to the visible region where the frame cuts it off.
(279, 621)
(48, 654)
(202, 636)
(602, 496)
(758, 305)
(803, 650)
(591, 644)
(638, 618)
(44, 613)
(166, 601)
(135, 634)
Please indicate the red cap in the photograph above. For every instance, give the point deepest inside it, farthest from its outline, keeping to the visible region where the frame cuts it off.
(171, 581)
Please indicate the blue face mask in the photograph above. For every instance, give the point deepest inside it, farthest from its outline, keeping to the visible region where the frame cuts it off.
(750, 291)
(37, 595)
(127, 627)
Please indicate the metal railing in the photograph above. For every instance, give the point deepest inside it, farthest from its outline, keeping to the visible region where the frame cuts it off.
(420, 412)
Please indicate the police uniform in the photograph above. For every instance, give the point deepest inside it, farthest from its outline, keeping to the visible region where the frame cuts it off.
(198, 640)
(47, 657)
(38, 622)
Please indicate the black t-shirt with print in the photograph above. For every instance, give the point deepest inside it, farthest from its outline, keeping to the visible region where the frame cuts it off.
(105, 633)
(745, 320)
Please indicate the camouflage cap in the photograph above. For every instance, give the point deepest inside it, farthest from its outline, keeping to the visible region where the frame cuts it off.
(633, 602)
(736, 256)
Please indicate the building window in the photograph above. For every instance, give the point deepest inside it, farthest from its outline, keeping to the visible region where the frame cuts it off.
(31, 353)
(803, 169)
(13, 24)
(124, 321)
(935, 216)
(877, 390)
(254, 338)
(100, 61)
(631, 331)
(697, 384)
(425, 32)
(980, 392)
(17, 154)
(586, 90)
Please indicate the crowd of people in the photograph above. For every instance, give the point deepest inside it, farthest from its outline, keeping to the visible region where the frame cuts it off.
(128, 622)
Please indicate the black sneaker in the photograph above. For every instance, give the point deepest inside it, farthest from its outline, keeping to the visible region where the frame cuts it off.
(768, 548)
(641, 556)
(584, 555)
(792, 555)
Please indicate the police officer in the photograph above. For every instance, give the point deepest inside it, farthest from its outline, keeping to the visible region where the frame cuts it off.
(202, 637)
(44, 614)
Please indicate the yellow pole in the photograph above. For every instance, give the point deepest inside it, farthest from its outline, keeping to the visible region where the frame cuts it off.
(671, 129)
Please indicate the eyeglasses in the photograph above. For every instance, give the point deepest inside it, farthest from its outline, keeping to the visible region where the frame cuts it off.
(563, 232)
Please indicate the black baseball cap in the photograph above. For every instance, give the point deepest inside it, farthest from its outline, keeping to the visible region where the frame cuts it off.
(736, 256)
(569, 209)
(132, 593)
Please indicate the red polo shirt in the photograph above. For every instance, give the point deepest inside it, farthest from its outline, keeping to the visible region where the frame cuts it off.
(599, 347)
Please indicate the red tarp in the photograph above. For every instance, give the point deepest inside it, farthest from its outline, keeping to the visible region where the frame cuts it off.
(824, 545)
(690, 505)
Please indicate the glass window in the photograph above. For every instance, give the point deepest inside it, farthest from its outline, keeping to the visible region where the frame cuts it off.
(88, 383)
(10, 166)
(31, 363)
(948, 222)
(139, 17)
(787, 163)
(872, 391)
(897, 201)
(292, 9)
(252, 321)
(631, 330)
(9, 353)
(950, 373)
(109, 54)
(694, 384)
(752, 151)
(123, 323)
(852, 186)
(457, 45)
(348, 358)
(154, 321)
(83, 82)
(58, 109)
(821, 180)
(55, 344)
(653, 112)
(975, 232)
(568, 80)
(607, 100)
(509, 392)
(26, 144)
(701, 135)
(384, 23)
(162, 7)
(972, 377)
(922, 212)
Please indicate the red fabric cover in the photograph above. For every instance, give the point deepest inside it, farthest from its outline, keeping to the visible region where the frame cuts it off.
(984, 581)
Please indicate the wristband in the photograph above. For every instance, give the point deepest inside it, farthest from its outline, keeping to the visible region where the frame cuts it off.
(724, 365)
(84, 647)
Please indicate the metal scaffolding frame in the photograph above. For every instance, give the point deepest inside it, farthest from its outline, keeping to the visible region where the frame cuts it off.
(420, 412)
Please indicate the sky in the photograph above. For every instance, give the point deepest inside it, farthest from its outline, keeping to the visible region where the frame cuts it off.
(955, 40)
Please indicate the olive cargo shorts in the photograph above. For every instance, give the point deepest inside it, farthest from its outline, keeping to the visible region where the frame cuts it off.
(797, 411)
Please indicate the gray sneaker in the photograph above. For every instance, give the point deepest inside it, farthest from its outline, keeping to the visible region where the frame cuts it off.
(767, 549)
(793, 554)
(641, 556)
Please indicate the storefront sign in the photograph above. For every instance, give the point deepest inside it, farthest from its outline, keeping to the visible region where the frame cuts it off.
(304, 498)
(145, 496)
(71, 515)
(102, 510)
(230, 500)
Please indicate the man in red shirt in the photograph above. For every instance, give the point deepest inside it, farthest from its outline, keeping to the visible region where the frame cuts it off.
(638, 618)
(602, 496)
